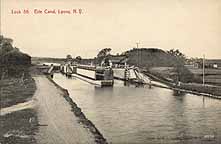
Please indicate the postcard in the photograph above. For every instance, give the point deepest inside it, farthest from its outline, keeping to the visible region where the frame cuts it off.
(110, 71)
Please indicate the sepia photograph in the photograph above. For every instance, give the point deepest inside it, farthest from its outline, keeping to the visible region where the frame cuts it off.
(110, 72)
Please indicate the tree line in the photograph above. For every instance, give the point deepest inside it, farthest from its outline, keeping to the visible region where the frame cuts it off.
(10, 55)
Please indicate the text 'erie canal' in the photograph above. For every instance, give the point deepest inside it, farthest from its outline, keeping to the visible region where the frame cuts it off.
(47, 11)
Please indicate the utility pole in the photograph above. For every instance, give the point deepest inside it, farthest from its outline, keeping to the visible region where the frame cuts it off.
(138, 54)
(203, 70)
(137, 43)
(203, 74)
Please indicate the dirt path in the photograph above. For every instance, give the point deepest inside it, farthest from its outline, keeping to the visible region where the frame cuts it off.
(17, 107)
(58, 124)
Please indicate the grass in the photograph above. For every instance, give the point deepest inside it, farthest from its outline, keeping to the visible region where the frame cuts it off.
(212, 76)
(212, 80)
(16, 90)
(208, 71)
(214, 90)
(172, 74)
(18, 127)
(16, 87)
(166, 72)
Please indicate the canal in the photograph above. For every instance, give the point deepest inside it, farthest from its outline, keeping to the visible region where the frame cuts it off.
(130, 114)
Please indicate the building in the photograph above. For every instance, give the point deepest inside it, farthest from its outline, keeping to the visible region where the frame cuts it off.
(119, 60)
(213, 63)
(209, 63)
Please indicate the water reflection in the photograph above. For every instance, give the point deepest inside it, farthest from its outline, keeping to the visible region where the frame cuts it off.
(178, 93)
(130, 114)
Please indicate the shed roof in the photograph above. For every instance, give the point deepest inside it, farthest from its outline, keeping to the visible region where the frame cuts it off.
(118, 59)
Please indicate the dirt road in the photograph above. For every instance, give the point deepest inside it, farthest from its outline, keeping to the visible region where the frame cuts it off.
(58, 124)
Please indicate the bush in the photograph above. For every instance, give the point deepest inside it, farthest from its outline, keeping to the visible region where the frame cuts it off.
(10, 55)
(15, 57)
(12, 62)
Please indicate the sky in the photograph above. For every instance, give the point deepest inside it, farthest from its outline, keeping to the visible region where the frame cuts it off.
(192, 26)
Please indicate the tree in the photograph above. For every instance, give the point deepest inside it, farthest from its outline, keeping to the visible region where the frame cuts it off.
(78, 59)
(68, 57)
(182, 73)
(177, 54)
(103, 54)
(1, 38)
(7, 47)
(10, 55)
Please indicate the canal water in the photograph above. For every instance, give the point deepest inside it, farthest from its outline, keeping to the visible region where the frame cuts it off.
(130, 114)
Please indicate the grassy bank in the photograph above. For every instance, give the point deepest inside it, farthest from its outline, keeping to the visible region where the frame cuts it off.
(212, 76)
(17, 86)
(18, 127)
(195, 87)
(207, 89)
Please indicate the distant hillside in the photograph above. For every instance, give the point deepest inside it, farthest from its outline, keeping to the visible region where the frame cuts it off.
(152, 57)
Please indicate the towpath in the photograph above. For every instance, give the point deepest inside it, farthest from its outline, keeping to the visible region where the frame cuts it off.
(58, 124)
